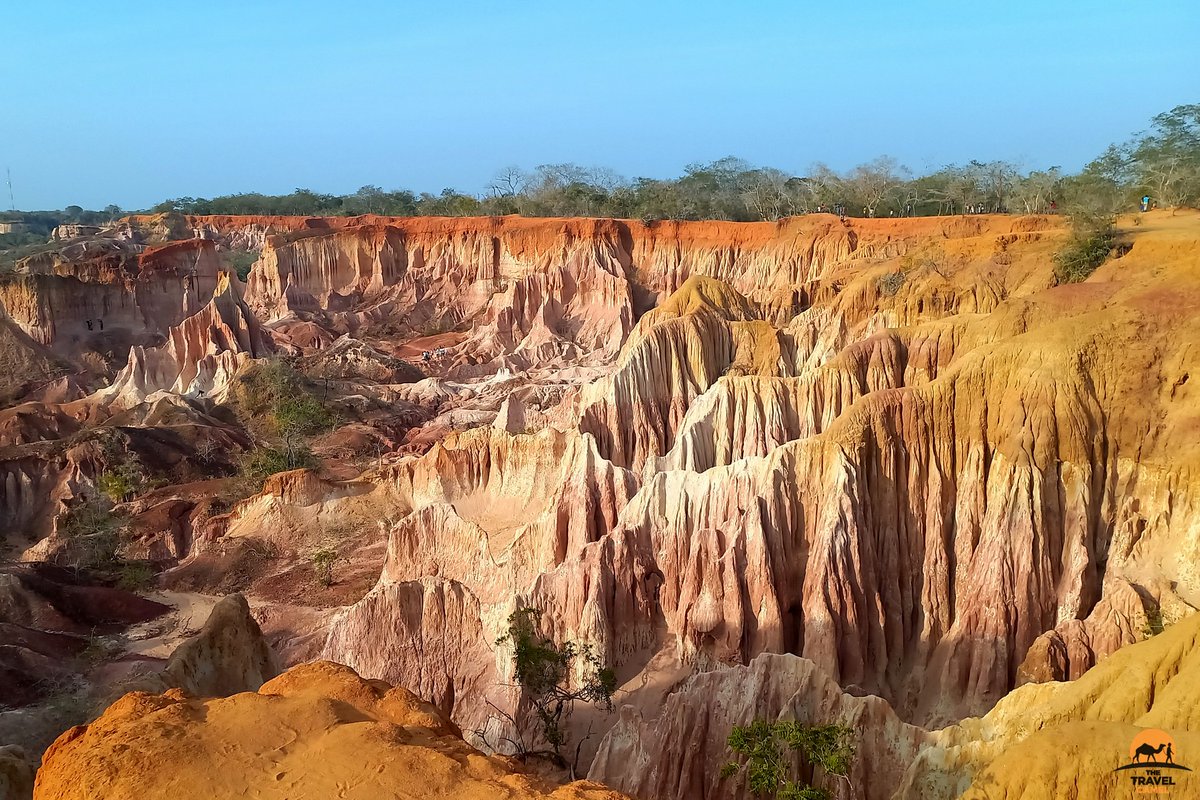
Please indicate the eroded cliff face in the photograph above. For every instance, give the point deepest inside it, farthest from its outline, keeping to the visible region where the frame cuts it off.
(801, 463)
(931, 505)
(202, 353)
(670, 752)
(1049, 740)
(134, 292)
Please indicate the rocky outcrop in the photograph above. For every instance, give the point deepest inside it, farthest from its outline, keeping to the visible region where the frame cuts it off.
(679, 751)
(506, 510)
(16, 776)
(348, 359)
(25, 365)
(202, 353)
(73, 230)
(1045, 740)
(128, 294)
(229, 655)
(314, 732)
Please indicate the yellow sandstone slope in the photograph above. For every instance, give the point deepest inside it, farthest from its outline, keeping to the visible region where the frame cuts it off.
(1058, 740)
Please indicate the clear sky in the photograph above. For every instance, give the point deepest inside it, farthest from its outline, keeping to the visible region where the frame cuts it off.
(131, 103)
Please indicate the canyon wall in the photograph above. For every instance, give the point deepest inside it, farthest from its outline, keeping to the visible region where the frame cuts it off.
(884, 471)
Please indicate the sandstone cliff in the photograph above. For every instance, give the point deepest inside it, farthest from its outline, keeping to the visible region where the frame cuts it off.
(891, 450)
(1058, 739)
(202, 354)
(135, 292)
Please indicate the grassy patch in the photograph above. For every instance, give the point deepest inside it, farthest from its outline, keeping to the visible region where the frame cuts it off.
(135, 576)
(276, 400)
(240, 262)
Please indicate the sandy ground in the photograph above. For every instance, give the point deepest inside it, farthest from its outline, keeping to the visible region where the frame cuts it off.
(158, 638)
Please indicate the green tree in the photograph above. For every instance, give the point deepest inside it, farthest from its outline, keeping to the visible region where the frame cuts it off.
(1166, 159)
(762, 749)
(554, 677)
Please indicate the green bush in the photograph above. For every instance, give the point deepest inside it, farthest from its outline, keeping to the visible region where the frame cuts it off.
(135, 576)
(94, 534)
(544, 670)
(1155, 624)
(276, 394)
(1091, 244)
(119, 484)
(240, 261)
(275, 402)
(303, 414)
(263, 462)
(323, 558)
(761, 748)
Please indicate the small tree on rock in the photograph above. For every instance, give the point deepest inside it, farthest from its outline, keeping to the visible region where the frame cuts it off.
(554, 676)
(760, 748)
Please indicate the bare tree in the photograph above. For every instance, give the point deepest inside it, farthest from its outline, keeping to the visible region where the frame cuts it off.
(825, 185)
(957, 188)
(995, 180)
(768, 193)
(509, 182)
(872, 183)
(1033, 193)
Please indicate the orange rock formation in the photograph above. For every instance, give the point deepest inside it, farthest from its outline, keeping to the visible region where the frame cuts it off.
(801, 463)
(317, 731)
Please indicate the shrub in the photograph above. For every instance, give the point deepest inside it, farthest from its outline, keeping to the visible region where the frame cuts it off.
(544, 671)
(1090, 245)
(119, 484)
(100, 649)
(323, 558)
(135, 576)
(277, 395)
(1156, 623)
(94, 534)
(890, 283)
(303, 414)
(240, 261)
(126, 476)
(761, 745)
(263, 462)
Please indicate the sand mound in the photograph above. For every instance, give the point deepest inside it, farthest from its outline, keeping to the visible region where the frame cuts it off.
(318, 731)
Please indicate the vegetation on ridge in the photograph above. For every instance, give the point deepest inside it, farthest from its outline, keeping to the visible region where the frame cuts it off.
(1162, 162)
(760, 748)
(275, 402)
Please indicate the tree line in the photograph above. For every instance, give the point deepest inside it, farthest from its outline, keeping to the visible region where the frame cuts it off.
(1163, 162)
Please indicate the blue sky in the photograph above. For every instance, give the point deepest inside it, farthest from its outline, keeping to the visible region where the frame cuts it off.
(132, 103)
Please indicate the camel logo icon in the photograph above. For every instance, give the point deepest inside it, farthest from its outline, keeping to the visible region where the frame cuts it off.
(1152, 765)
